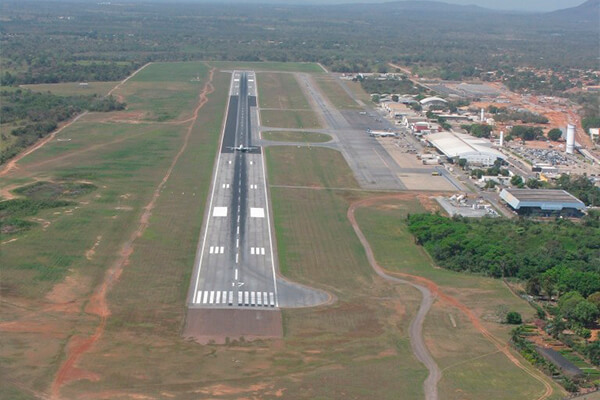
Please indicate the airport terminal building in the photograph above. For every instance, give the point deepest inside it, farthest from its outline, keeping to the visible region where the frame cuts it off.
(457, 145)
(543, 202)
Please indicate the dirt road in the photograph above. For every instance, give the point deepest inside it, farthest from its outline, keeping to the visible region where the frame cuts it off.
(431, 291)
(416, 326)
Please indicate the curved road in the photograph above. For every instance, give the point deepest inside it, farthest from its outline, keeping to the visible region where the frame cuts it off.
(416, 326)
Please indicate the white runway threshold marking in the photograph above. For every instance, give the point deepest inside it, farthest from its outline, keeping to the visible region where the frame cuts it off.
(245, 298)
(220, 212)
(257, 212)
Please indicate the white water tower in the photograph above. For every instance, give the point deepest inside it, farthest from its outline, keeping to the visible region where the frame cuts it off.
(501, 138)
(482, 115)
(570, 139)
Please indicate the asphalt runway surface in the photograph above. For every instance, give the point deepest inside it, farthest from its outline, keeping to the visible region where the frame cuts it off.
(236, 263)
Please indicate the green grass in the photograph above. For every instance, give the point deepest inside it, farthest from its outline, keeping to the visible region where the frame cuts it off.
(269, 66)
(295, 119)
(336, 93)
(281, 91)
(73, 89)
(309, 166)
(452, 347)
(292, 136)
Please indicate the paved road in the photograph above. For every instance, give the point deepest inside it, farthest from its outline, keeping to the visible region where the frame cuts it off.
(236, 261)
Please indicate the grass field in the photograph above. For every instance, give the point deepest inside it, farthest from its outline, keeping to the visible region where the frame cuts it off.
(359, 343)
(125, 162)
(73, 88)
(336, 93)
(305, 167)
(294, 119)
(358, 91)
(459, 349)
(276, 90)
(293, 136)
(269, 66)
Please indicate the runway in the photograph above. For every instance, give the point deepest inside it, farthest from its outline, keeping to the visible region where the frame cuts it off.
(235, 265)
(235, 271)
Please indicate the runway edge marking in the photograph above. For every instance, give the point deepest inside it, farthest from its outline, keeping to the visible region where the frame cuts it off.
(212, 194)
(267, 206)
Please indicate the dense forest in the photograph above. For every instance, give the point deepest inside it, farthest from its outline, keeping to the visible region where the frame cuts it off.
(564, 255)
(34, 115)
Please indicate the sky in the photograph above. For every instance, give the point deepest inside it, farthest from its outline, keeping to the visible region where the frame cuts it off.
(520, 5)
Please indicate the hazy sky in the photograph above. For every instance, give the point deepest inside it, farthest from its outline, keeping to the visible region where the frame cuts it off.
(521, 5)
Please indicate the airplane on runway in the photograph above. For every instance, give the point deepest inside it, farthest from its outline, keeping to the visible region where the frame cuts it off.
(381, 133)
(243, 148)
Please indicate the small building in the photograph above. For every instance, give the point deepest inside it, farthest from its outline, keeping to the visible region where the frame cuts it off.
(543, 202)
(433, 101)
(565, 366)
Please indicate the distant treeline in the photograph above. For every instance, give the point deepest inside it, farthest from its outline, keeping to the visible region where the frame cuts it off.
(34, 115)
(52, 41)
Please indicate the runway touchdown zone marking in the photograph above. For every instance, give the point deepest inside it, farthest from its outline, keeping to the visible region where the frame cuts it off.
(257, 212)
(220, 212)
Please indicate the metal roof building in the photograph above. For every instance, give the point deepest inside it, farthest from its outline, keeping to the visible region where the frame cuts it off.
(474, 150)
(542, 201)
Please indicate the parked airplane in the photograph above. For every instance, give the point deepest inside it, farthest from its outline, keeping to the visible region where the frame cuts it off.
(243, 148)
(381, 133)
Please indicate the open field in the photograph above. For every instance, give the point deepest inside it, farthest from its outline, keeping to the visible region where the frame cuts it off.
(293, 136)
(294, 119)
(269, 66)
(276, 90)
(78, 242)
(305, 167)
(358, 91)
(73, 89)
(452, 339)
(336, 94)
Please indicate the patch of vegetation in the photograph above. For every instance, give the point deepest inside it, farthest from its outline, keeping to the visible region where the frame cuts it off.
(390, 85)
(503, 114)
(526, 132)
(478, 130)
(37, 114)
(563, 254)
(13, 212)
(53, 190)
(581, 187)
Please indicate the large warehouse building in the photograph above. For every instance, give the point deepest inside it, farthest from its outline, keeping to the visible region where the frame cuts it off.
(544, 202)
(457, 145)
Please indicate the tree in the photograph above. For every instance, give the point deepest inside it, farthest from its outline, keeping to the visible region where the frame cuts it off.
(554, 134)
(375, 98)
(395, 98)
(462, 162)
(514, 318)
(594, 298)
(516, 180)
(534, 286)
(585, 312)
(533, 183)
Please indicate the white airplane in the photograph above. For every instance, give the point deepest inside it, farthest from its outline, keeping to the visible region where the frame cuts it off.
(243, 148)
(381, 133)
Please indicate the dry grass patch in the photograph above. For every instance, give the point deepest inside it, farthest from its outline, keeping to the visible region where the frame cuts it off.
(308, 166)
(336, 94)
(73, 88)
(294, 119)
(292, 136)
(280, 91)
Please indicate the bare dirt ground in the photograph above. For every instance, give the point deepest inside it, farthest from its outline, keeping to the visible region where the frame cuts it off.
(206, 326)
(97, 304)
(432, 289)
